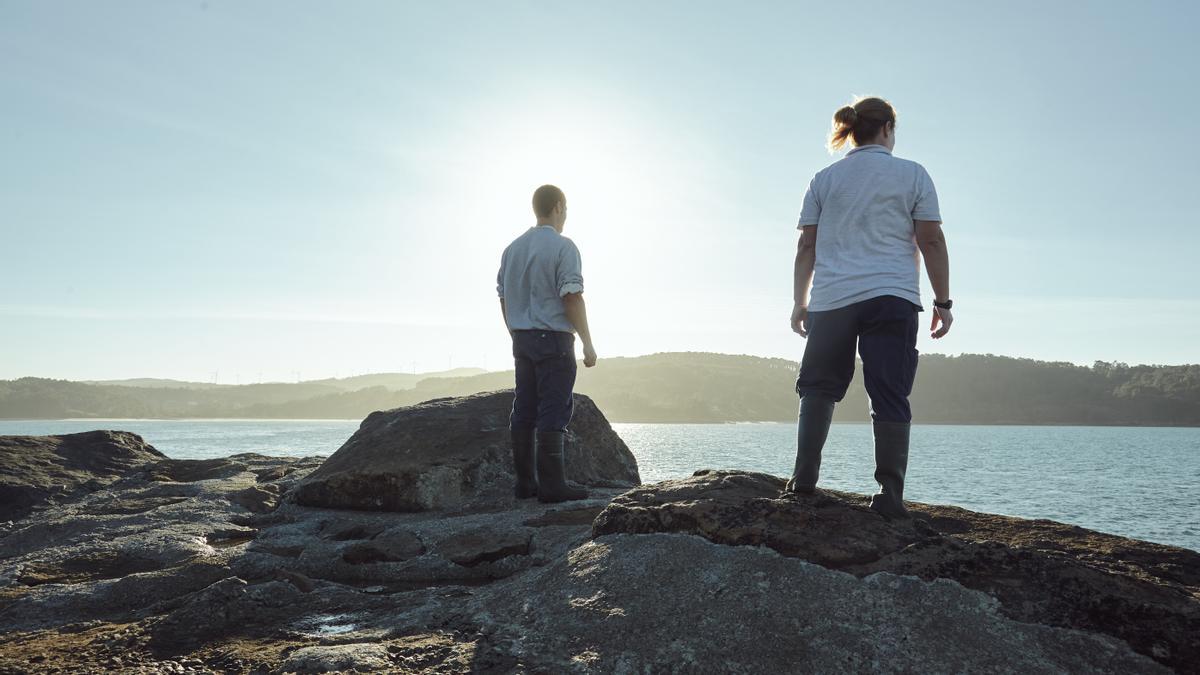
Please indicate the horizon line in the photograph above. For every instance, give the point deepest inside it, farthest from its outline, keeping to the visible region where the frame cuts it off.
(117, 381)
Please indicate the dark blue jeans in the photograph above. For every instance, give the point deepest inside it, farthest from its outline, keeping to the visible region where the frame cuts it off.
(885, 332)
(545, 361)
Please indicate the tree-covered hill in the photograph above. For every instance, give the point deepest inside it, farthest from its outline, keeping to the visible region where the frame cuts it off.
(679, 387)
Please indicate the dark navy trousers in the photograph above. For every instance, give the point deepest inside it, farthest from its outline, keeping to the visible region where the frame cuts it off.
(545, 362)
(884, 329)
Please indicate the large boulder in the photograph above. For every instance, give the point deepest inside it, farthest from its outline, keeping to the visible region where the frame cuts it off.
(1040, 571)
(454, 454)
(37, 470)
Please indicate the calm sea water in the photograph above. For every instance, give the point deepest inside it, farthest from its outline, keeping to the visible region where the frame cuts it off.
(1136, 482)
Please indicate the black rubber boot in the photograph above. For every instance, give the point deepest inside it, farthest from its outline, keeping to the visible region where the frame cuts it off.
(552, 471)
(816, 414)
(891, 462)
(523, 463)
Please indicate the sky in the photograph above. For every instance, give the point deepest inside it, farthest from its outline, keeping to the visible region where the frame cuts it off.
(237, 192)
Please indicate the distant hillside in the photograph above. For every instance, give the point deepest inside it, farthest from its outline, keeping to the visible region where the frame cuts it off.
(156, 383)
(395, 381)
(671, 387)
(679, 387)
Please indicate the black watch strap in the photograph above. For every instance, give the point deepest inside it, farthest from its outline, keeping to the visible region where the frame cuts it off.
(943, 305)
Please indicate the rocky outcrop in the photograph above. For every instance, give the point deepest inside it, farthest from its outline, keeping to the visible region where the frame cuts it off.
(217, 610)
(678, 603)
(192, 470)
(127, 547)
(205, 563)
(1040, 571)
(390, 551)
(40, 470)
(454, 454)
(210, 566)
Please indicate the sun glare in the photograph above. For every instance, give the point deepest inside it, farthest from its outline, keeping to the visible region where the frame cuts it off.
(598, 164)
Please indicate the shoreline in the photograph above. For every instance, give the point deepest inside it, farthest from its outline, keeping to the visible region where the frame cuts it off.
(234, 566)
(613, 421)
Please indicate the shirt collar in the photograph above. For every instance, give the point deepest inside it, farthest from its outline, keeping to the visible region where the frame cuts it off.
(870, 148)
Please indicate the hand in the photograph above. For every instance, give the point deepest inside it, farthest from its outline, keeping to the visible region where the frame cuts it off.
(946, 319)
(800, 320)
(589, 356)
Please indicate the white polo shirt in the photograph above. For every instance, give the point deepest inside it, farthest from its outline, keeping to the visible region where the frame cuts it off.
(864, 206)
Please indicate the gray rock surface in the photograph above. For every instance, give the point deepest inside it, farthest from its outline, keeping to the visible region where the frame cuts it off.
(359, 657)
(209, 566)
(411, 550)
(211, 611)
(127, 547)
(1041, 571)
(679, 603)
(192, 470)
(454, 454)
(40, 470)
(257, 498)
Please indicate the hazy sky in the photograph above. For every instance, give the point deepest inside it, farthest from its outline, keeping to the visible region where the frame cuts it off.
(265, 189)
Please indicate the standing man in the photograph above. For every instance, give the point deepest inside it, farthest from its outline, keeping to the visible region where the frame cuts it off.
(541, 296)
(865, 217)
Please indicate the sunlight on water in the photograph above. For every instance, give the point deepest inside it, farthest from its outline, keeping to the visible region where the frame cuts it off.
(1137, 482)
(203, 439)
(327, 625)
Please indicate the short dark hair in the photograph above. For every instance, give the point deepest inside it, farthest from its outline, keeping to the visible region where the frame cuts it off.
(545, 199)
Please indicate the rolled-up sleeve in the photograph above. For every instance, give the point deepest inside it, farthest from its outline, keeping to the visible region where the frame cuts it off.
(810, 213)
(500, 276)
(569, 275)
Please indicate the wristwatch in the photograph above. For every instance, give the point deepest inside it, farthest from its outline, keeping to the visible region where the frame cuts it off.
(943, 305)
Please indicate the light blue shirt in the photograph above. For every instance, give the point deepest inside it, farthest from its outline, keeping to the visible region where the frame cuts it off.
(537, 269)
(864, 206)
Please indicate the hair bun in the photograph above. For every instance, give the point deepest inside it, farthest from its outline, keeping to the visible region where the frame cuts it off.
(860, 122)
(846, 115)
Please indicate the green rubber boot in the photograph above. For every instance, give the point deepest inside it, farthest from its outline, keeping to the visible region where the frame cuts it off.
(523, 463)
(816, 414)
(891, 463)
(552, 471)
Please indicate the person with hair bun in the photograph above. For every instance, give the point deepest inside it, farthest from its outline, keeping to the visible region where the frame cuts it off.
(866, 222)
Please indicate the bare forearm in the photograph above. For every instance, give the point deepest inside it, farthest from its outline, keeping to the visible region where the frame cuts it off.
(504, 313)
(937, 266)
(805, 259)
(576, 311)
